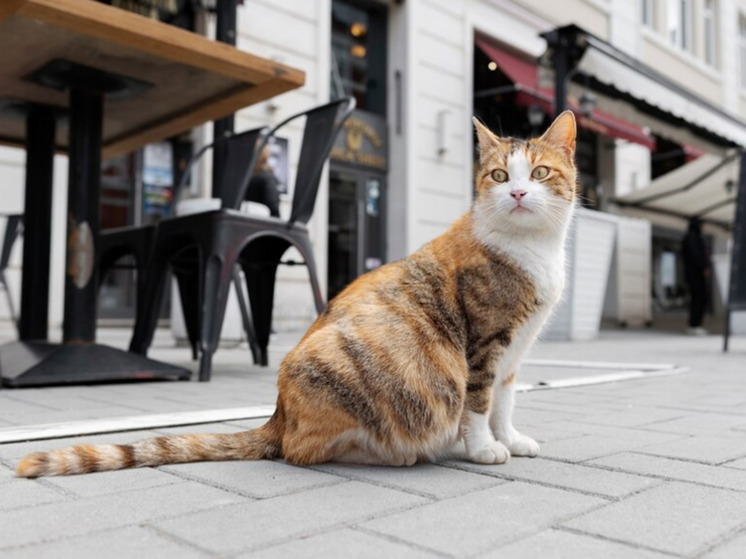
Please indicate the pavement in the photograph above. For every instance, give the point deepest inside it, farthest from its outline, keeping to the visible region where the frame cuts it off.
(647, 468)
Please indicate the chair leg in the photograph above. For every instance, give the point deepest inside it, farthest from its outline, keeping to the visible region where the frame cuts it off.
(303, 245)
(260, 280)
(148, 306)
(248, 323)
(218, 275)
(189, 292)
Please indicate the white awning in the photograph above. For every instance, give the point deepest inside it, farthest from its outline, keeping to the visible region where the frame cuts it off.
(700, 188)
(630, 90)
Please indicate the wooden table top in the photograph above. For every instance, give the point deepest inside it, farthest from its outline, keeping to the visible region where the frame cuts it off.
(193, 79)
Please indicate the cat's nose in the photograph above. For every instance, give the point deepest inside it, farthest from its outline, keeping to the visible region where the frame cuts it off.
(518, 194)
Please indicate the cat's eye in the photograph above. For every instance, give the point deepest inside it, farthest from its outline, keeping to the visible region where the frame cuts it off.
(498, 175)
(540, 172)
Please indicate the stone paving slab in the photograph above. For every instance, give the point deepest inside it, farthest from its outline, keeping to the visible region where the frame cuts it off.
(676, 517)
(81, 516)
(18, 494)
(587, 447)
(111, 483)
(708, 450)
(666, 468)
(703, 424)
(133, 542)
(600, 468)
(261, 479)
(262, 523)
(560, 474)
(729, 550)
(341, 543)
(558, 544)
(427, 480)
(472, 524)
(739, 464)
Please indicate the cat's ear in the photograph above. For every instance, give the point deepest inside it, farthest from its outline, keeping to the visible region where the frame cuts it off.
(562, 133)
(488, 142)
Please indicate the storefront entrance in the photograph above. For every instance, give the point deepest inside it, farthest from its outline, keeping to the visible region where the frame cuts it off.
(357, 200)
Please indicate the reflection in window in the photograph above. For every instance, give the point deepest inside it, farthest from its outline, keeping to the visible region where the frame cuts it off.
(647, 7)
(710, 29)
(680, 23)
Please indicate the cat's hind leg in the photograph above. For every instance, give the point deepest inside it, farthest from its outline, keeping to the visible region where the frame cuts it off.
(501, 421)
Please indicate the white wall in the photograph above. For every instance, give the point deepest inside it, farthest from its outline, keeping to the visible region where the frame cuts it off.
(297, 33)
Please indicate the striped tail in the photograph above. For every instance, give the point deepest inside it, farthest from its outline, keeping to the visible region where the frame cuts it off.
(262, 443)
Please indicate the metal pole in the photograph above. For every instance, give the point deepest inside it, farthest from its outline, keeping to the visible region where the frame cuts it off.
(86, 114)
(561, 55)
(226, 33)
(736, 292)
(37, 217)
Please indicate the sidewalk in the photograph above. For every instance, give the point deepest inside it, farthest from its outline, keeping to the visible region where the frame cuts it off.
(646, 468)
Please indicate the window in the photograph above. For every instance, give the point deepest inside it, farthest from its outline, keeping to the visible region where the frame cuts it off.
(647, 7)
(680, 23)
(742, 48)
(710, 30)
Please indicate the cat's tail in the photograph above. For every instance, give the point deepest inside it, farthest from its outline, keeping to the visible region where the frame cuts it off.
(262, 443)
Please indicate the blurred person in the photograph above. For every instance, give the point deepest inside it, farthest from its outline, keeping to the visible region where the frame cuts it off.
(696, 273)
(263, 184)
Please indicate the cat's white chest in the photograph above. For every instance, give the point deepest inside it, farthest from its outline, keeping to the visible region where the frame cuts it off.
(544, 266)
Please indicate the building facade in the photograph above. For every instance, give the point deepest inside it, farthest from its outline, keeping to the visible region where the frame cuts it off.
(419, 69)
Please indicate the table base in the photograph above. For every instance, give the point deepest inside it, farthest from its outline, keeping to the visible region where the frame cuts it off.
(27, 364)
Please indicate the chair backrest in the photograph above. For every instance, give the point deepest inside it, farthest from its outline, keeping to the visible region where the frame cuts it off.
(240, 155)
(322, 126)
(13, 226)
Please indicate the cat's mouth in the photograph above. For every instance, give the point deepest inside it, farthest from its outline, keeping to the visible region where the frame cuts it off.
(520, 210)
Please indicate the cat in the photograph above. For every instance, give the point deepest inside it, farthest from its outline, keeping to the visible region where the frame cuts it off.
(418, 353)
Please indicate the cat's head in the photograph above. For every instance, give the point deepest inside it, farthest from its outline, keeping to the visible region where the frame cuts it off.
(527, 184)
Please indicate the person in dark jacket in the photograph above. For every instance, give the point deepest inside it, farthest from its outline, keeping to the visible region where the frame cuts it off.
(696, 273)
(263, 185)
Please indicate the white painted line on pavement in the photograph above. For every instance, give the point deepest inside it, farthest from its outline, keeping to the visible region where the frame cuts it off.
(129, 423)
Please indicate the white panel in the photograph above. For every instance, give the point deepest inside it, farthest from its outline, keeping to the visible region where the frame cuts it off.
(264, 24)
(428, 109)
(442, 55)
(436, 208)
(441, 24)
(439, 86)
(445, 179)
(454, 7)
(427, 148)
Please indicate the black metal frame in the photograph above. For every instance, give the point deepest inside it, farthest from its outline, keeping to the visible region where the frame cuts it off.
(32, 361)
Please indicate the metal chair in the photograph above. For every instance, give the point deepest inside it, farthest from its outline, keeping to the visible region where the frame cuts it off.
(13, 228)
(138, 241)
(208, 245)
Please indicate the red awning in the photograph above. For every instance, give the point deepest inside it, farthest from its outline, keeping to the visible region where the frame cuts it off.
(524, 74)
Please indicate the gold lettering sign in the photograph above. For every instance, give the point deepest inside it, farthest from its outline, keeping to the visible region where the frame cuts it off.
(357, 134)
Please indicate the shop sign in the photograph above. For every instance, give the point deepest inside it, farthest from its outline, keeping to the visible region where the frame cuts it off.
(363, 141)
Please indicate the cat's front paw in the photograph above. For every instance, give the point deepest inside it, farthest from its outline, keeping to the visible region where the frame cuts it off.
(493, 453)
(523, 446)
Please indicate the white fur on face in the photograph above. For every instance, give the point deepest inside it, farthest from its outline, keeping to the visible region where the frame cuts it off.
(540, 209)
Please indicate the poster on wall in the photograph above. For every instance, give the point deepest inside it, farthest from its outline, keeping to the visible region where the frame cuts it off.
(157, 181)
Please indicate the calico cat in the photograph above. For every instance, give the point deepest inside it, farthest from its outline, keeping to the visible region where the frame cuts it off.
(418, 353)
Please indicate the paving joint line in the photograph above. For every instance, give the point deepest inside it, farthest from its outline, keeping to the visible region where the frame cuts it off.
(242, 493)
(550, 485)
(724, 539)
(377, 483)
(665, 478)
(330, 528)
(633, 545)
(394, 539)
(178, 540)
